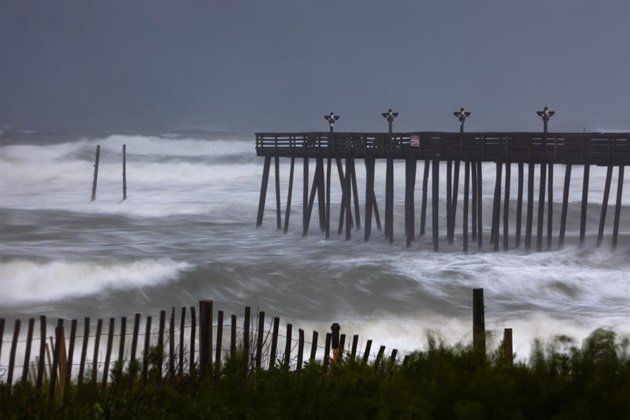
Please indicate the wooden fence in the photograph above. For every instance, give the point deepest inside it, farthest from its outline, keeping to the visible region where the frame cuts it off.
(183, 342)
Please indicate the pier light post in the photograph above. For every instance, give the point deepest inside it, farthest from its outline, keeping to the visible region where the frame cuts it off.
(390, 116)
(546, 171)
(331, 118)
(461, 116)
(546, 115)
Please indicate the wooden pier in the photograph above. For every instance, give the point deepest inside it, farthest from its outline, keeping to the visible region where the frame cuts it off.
(526, 153)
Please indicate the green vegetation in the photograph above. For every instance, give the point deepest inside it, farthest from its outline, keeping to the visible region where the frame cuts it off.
(561, 380)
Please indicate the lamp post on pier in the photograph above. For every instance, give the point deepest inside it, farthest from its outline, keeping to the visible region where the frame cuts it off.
(546, 115)
(331, 118)
(390, 116)
(389, 180)
(461, 116)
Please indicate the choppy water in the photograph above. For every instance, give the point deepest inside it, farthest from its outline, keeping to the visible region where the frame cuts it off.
(187, 232)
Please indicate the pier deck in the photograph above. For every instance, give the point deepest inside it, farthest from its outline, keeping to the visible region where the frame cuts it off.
(525, 151)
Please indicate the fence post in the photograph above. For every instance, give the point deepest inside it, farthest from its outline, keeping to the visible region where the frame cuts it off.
(507, 345)
(56, 353)
(259, 338)
(479, 325)
(335, 342)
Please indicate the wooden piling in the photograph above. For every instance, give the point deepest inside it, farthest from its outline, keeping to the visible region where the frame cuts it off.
(474, 205)
(530, 205)
(565, 202)
(287, 347)
(124, 170)
(423, 206)
(466, 198)
(496, 208)
(449, 196)
(287, 214)
(584, 208)
(541, 206)
(602, 216)
(95, 177)
(506, 207)
(435, 179)
(328, 176)
(479, 325)
(14, 342)
(42, 351)
(259, 338)
(410, 186)
(348, 203)
(277, 182)
(147, 349)
(315, 187)
(519, 206)
(305, 194)
(389, 200)
(549, 205)
(274, 342)
(355, 196)
(454, 201)
(108, 352)
(84, 348)
(618, 206)
(27, 351)
(480, 206)
(263, 191)
(321, 195)
(369, 192)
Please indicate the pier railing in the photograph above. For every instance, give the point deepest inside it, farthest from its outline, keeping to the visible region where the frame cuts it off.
(569, 148)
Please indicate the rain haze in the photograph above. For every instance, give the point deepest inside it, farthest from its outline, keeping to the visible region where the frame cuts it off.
(184, 85)
(279, 65)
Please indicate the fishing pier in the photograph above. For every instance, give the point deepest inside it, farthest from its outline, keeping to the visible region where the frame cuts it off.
(519, 154)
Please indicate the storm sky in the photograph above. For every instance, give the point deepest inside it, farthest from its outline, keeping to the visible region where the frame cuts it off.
(280, 65)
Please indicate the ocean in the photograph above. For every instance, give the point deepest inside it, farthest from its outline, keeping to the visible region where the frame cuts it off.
(187, 232)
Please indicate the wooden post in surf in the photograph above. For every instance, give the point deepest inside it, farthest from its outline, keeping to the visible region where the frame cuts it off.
(479, 324)
(124, 170)
(95, 178)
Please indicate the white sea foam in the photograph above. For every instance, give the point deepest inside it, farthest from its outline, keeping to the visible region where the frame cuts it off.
(24, 281)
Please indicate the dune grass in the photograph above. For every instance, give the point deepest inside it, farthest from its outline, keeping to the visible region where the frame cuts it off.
(562, 379)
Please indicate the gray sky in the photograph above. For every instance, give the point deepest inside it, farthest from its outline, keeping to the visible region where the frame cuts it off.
(280, 65)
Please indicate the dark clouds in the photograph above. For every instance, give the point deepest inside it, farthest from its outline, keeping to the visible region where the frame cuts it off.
(280, 65)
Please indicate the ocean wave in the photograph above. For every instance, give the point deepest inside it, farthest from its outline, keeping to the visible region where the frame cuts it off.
(24, 281)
